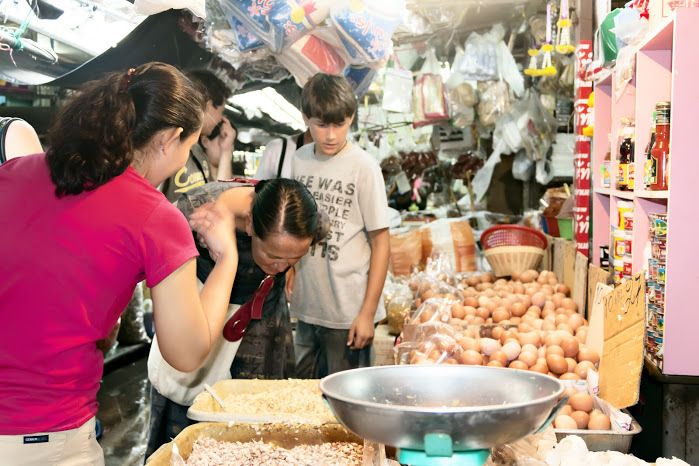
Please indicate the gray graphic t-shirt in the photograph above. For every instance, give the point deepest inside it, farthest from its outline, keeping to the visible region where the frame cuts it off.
(332, 278)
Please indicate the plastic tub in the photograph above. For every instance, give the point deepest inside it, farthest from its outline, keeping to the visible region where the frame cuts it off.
(565, 228)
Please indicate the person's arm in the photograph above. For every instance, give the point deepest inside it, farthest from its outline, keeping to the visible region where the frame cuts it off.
(362, 330)
(219, 152)
(188, 321)
(21, 139)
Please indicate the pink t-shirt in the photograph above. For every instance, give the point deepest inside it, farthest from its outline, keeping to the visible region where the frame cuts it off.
(68, 269)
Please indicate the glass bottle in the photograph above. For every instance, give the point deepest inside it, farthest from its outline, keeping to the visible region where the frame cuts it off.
(660, 154)
(647, 166)
(625, 157)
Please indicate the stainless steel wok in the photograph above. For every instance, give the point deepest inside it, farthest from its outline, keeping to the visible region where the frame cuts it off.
(476, 407)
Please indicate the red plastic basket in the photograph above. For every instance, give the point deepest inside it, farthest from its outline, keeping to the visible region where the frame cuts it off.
(512, 235)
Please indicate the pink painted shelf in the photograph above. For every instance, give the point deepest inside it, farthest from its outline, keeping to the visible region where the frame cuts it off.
(666, 70)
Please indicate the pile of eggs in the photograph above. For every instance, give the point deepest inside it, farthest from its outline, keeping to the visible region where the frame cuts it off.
(537, 326)
(580, 413)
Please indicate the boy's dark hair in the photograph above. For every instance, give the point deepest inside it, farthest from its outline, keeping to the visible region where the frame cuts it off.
(96, 133)
(328, 98)
(210, 86)
(282, 205)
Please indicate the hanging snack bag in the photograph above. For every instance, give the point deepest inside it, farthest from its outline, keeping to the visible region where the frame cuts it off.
(429, 94)
(247, 41)
(311, 54)
(365, 28)
(253, 14)
(360, 78)
(291, 20)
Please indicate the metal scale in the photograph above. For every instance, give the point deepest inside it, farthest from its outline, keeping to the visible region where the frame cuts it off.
(442, 415)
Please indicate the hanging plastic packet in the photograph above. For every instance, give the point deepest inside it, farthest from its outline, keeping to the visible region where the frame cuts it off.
(313, 53)
(253, 14)
(397, 88)
(479, 61)
(365, 28)
(291, 20)
(360, 78)
(429, 94)
(247, 41)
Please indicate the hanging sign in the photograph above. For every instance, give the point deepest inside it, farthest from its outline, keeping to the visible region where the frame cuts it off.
(581, 159)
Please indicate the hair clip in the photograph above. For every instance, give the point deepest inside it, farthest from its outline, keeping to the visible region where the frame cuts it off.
(126, 80)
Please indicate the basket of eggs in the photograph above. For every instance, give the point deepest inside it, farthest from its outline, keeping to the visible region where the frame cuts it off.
(512, 249)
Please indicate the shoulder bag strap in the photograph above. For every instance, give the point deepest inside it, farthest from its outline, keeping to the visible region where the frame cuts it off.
(4, 125)
(281, 158)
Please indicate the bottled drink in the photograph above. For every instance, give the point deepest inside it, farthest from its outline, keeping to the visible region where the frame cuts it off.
(626, 149)
(660, 154)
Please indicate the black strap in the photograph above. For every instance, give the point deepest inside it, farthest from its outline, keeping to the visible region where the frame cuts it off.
(200, 167)
(281, 158)
(4, 126)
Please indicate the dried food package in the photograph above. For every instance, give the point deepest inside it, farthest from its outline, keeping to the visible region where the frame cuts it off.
(451, 239)
(365, 27)
(406, 251)
(494, 100)
(313, 53)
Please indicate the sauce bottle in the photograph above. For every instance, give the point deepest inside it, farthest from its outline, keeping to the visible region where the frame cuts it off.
(660, 153)
(647, 166)
(624, 182)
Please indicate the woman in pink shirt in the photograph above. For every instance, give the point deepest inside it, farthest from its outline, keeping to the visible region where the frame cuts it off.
(82, 225)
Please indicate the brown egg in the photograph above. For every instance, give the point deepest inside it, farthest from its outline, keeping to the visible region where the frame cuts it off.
(540, 368)
(471, 357)
(470, 310)
(599, 421)
(556, 364)
(588, 354)
(528, 358)
(582, 368)
(483, 313)
(518, 309)
(515, 320)
(570, 346)
(500, 314)
(530, 347)
(548, 326)
(525, 326)
(561, 319)
(451, 361)
(564, 422)
(458, 311)
(495, 363)
(471, 301)
(581, 401)
(517, 364)
(575, 321)
(563, 289)
(569, 304)
(534, 310)
(553, 338)
(468, 343)
(566, 410)
(512, 350)
(539, 299)
(572, 363)
(569, 376)
(555, 349)
(499, 356)
(477, 320)
(531, 338)
(581, 418)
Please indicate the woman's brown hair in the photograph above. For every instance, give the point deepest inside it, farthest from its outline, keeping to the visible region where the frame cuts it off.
(96, 133)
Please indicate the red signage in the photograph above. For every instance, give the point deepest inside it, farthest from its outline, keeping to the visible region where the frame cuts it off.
(583, 148)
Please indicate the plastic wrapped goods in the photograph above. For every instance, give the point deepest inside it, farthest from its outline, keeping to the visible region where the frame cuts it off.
(406, 251)
(454, 239)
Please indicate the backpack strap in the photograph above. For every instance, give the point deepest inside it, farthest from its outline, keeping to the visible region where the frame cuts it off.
(281, 158)
(4, 127)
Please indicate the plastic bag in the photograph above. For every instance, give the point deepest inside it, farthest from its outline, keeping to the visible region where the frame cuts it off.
(360, 78)
(452, 241)
(132, 330)
(522, 167)
(624, 69)
(365, 28)
(311, 54)
(253, 14)
(494, 100)
(246, 40)
(480, 58)
(508, 70)
(151, 7)
(429, 94)
(397, 90)
(406, 251)
(290, 20)
(462, 99)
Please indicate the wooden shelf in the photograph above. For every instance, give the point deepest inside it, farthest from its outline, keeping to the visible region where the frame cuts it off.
(629, 195)
(645, 194)
(661, 38)
(602, 190)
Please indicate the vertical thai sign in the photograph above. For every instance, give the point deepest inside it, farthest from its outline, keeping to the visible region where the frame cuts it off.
(583, 147)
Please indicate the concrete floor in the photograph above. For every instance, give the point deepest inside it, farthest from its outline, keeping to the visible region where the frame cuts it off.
(124, 409)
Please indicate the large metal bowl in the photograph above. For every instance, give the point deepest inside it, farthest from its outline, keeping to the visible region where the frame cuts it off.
(478, 407)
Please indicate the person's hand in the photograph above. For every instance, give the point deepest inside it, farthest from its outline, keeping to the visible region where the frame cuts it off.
(221, 145)
(361, 332)
(215, 228)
